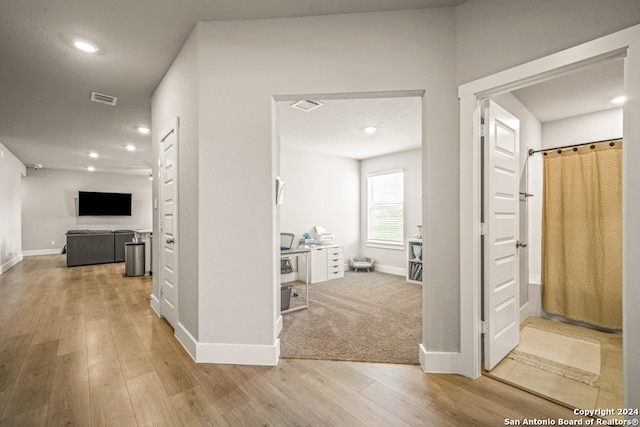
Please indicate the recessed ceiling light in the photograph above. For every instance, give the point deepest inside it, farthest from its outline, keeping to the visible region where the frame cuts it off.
(370, 129)
(143, 130)
(85, 46)
(91, 168)
(619, 100)
(93, 154)
(131, 147)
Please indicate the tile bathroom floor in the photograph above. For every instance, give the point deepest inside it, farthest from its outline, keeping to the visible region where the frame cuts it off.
(607, 392)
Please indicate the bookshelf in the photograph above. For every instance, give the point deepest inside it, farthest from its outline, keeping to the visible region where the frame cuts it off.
(414, 261)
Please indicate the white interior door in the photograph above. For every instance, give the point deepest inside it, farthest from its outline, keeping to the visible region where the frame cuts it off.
(501, 280)
(168, 226)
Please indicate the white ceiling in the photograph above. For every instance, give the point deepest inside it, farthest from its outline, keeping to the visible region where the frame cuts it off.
(337, 127)
(587, 90)
(45, 83)
(45, 113)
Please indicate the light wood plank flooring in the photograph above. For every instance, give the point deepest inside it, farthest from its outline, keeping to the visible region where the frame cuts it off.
(80, 346)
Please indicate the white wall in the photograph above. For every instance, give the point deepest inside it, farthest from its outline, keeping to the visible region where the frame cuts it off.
(598, 126)
(393, 260)
(50, 203)
(245, 64)
(177, 96)
(11, 173)
(240, 67)
(493, 35)
(321, 190)
(332, 191)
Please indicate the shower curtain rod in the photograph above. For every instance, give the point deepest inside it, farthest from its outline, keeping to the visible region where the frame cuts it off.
(532, 151)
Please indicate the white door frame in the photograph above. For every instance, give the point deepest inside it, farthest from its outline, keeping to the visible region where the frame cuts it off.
(420, 93)
(625, 43)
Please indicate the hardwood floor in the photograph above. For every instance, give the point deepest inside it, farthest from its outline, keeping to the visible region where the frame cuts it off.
(80, 346)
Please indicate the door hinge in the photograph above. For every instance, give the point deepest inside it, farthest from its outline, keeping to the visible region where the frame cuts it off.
(484, 228)
(484, 327)
(483, 131)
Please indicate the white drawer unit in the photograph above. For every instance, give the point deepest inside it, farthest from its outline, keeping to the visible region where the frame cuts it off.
(335, 262)
(327, 262)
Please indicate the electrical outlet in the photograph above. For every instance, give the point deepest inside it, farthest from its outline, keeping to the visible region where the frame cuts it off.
(53, 243)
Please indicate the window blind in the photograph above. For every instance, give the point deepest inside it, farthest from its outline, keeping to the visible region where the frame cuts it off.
(385, 207)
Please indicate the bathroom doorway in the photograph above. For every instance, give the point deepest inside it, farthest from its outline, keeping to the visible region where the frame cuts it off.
(471, 94)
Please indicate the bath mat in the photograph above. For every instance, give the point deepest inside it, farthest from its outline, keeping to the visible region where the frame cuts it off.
(569, 355)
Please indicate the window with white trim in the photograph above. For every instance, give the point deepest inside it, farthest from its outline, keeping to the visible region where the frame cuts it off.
(385, 208)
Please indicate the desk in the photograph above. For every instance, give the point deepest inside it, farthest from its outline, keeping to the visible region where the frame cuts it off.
(296, 253)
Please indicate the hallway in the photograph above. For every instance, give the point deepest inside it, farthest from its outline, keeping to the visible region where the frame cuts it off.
(81, 346)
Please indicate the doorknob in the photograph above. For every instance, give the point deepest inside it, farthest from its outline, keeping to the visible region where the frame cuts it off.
(170, 240)
(520, 244)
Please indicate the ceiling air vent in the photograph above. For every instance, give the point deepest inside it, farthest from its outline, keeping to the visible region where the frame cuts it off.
(103, 99)
(306, 105)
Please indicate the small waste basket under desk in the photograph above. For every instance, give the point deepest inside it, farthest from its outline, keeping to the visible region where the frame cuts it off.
(134, 259)
(285, 297)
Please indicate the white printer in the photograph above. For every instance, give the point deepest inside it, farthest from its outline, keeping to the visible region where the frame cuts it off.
(322, 237)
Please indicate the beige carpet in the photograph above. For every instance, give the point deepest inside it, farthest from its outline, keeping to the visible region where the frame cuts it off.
(554, 350)
(366, 317)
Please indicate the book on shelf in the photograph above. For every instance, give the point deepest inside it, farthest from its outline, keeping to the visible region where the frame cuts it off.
(416, 272)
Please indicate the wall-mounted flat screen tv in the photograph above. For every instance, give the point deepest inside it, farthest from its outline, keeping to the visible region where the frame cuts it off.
(103, 204)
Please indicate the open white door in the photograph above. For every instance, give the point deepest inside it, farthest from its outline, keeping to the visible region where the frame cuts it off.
(168, 225)
(501, 287)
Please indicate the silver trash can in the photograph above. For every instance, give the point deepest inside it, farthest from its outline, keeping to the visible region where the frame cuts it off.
(134, 259)
(285, 297)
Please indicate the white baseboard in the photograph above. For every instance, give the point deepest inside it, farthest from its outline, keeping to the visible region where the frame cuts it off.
(233, 354)
(13, 261)
(187, 340)
(155, 304)
(439, 362)
(239, 354)
(278, 326)
(390, 270)
(535, 299)
(524, 312)
(42, 252)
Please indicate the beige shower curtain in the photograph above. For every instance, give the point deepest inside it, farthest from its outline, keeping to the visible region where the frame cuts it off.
(582, 234)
